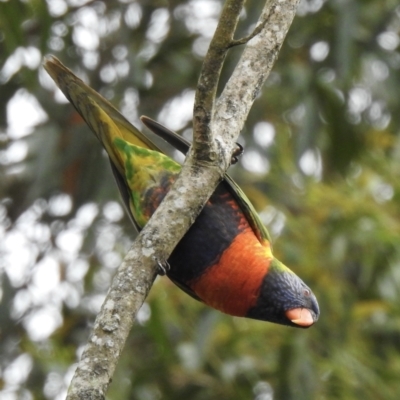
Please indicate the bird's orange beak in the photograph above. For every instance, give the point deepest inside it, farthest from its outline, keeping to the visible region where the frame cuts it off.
(300, 316)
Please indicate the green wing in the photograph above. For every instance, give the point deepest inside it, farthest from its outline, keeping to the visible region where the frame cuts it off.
(181, 144)
(105, 121)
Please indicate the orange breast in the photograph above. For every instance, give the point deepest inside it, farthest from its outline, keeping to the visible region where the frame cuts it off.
(233, 284)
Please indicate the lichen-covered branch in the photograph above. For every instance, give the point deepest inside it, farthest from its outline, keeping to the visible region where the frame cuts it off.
(129, 288)
(253, 69)
(185, 200)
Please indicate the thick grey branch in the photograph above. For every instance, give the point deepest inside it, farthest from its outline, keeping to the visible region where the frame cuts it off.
(203, 144)
(252, 70)
(180, 207)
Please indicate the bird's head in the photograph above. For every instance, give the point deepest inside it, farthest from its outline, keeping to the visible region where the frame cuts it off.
(285, 299)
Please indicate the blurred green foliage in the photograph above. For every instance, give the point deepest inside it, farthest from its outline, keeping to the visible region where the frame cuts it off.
(322, 166)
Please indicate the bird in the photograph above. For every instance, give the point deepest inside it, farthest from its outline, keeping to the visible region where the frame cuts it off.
(225, 259)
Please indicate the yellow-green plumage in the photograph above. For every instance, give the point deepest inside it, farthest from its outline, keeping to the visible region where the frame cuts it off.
(137, 162)
(143, 169)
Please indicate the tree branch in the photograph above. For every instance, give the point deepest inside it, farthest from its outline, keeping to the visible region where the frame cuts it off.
(253, 69)
(192, 189)
(203, 143)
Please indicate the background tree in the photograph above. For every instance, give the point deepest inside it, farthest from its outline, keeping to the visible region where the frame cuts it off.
(321, 166)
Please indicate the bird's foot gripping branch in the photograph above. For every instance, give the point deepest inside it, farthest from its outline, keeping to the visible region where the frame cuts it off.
(225, 259)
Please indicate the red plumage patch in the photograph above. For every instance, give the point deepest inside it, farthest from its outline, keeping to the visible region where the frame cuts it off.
(233, 284)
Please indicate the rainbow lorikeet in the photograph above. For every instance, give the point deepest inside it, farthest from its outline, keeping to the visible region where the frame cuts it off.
(225, 259)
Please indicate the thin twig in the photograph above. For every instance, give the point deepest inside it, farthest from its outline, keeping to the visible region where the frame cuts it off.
(260, 26)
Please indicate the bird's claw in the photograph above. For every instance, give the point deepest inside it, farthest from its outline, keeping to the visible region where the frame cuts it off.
(237, 153)
(163, 267)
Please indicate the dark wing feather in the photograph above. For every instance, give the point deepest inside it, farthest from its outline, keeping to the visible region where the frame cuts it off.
(181, 144)
(125, 194)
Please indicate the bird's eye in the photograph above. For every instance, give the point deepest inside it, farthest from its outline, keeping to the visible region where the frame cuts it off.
(306, 292)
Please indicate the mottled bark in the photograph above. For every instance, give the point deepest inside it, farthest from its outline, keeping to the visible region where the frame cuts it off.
(216, 128)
